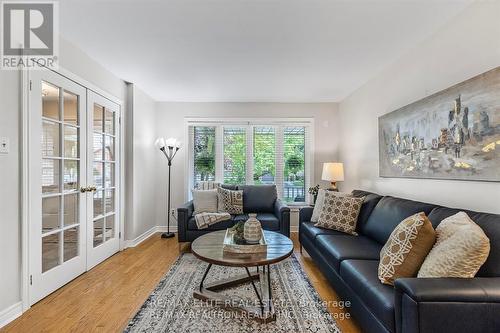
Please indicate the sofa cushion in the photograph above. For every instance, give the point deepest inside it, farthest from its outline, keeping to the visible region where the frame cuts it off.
(309, 230)
(217, 226)
(204, 201)
(230, 201)
(490, 223)
(229, 187)
(362, 277)
(340, 212)
(268, 221)
(336, 248)
(388, 213)
(461, 249)
(258, 198)
(371, 200)
(406, 249)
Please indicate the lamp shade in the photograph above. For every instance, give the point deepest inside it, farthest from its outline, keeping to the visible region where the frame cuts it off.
(172, 143)
(160, 143)
(333, 172)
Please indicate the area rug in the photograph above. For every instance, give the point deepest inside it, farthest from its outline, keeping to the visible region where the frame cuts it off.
(172, 308)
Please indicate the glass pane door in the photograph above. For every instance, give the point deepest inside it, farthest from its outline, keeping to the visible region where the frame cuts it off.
(60, 176)
(104, 174)
(58, 207)
(103, 151)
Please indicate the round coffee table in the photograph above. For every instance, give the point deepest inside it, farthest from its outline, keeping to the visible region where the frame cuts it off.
(209, 248)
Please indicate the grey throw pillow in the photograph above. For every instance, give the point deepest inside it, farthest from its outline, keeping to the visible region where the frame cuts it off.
(204, 201)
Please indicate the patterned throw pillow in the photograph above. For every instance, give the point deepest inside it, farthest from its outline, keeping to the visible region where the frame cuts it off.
(230, 201)
(406, 249)
(320, 201)
(461, 249)
(340, 213)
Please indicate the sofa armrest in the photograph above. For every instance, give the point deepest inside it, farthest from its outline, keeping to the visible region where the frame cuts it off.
(282, 212)
(447, 304)
(184, 213)
(305, 214)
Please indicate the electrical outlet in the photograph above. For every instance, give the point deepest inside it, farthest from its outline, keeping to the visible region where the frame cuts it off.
(172, 212)
(4, 145)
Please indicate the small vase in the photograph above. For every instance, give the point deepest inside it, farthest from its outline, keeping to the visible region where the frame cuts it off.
(253, 230)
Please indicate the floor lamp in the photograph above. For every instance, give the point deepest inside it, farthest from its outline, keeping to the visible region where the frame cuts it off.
(169, 148)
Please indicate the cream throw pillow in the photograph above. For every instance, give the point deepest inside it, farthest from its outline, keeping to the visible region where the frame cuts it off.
(204, 201)
(406, 249)
(340, 213)
(461, 249)
(320, 200)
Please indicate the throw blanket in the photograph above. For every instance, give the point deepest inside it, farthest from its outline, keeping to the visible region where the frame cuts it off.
(204, 220)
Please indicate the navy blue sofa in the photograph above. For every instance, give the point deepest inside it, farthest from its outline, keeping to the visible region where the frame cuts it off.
(263, 200)
(350, 264)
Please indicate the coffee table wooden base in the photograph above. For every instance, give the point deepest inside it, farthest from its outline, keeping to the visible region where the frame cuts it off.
(263, 313)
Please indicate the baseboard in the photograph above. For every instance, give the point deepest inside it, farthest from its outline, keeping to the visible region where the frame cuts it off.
(163, 228)
(11, 313)
(294, 228)
(145, 235)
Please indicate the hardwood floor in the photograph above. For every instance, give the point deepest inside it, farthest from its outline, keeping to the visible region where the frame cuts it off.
(105, 298)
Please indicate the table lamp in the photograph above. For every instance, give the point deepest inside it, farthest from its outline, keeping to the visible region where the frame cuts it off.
(333, 172)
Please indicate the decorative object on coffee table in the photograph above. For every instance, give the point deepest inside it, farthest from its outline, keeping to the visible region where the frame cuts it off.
(234, 244)
(333, 172)
(253, 230)
(169, 148)
(209, 248)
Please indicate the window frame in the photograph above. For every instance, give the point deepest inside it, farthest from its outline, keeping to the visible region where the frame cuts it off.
(249, 123)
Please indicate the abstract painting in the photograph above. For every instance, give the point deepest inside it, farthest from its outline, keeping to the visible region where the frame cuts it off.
(453, 134)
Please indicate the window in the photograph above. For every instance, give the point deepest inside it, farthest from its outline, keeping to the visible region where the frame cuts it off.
(252, 153)
(294, 166)
(204, 153)
(235, 155)
(264, 155)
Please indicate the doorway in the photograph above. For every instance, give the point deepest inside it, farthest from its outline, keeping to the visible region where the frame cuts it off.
(74, 140)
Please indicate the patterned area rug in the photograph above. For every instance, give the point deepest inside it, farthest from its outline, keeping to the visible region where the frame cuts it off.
(172, 308)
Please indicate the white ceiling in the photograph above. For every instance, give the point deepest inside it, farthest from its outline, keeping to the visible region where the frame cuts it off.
(250, 50)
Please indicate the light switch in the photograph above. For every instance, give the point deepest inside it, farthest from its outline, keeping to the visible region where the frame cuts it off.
(4, 145)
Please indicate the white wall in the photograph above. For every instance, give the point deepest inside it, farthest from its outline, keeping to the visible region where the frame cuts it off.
(170, 123)
(466, 46)
(10, 243)
(143, 172)
(74, 60)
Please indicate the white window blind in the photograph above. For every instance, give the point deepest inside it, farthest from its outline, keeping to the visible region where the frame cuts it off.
(235, 155)
(264, 155)
(203, 153)
(253, 153)
(294, 157)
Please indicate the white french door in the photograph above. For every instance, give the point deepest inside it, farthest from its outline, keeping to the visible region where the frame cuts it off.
(102, 166)
(73, 164)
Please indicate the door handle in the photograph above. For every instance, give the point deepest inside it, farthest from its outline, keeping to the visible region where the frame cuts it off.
(88, 189)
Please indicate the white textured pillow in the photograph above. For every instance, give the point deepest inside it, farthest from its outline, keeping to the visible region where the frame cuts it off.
(320, 201)
(204, 201)
(461, 249)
